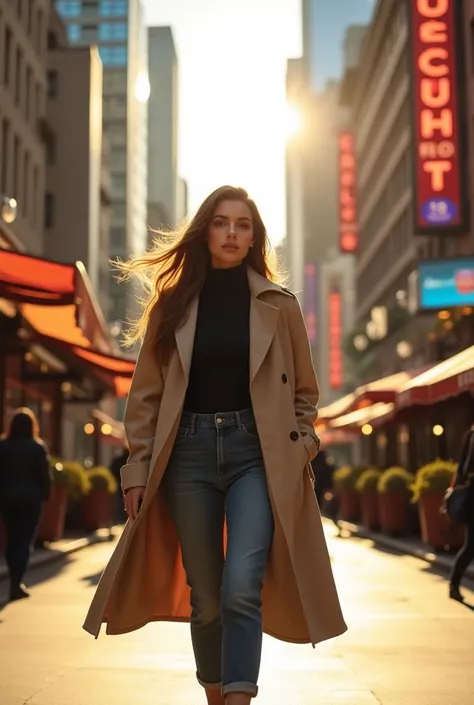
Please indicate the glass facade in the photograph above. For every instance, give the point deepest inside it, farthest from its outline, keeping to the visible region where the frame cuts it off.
(113, 55)
(69, 8)
(112, 31)
(113, 8)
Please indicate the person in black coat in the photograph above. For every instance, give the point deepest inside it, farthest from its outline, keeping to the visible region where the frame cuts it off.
(25, 483)
(465, 476)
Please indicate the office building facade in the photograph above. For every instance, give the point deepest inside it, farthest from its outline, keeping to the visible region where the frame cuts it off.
(23, 65)
(385, 98)
(163, 183)
(117, 28)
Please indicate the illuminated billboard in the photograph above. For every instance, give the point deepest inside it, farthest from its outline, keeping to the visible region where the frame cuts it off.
(440, 175)
(335, 340)
(348, 224)
(446, 283)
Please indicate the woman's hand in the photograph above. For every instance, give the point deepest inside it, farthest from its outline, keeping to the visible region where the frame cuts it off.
(133, 499)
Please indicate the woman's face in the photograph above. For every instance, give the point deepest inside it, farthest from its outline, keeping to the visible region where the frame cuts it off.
(230, 234)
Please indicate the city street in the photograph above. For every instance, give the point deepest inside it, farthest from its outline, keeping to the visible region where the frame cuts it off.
(407, 643)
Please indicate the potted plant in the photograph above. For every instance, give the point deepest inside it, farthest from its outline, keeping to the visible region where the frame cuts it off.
(394, 490)
(98, 506)
(366, 486)
(345, 480)
(69, 483)
(431, 482)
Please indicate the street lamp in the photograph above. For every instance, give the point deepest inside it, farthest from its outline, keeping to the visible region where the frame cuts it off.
(8, 209)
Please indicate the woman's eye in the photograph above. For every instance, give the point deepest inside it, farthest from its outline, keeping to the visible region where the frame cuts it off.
(219, 223)
(244, 226)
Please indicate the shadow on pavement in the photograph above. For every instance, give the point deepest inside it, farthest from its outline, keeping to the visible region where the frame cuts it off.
(36, 576)
(92, 580)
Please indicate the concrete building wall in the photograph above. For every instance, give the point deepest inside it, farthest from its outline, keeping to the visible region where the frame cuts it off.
(23, 52)
(74, 172)
(163, 123)
(119, 31)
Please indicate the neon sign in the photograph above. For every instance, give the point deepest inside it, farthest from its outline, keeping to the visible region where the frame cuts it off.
(439, 134)
(335, 340)
(348, 226)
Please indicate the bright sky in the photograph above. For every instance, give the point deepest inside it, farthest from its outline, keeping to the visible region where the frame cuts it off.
(232, 63)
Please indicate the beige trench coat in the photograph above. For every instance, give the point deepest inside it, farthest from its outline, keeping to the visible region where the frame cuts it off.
(145, 580)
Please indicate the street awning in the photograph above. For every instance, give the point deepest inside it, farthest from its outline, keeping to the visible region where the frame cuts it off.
(58, 303)
(382, 390)
(27, 279)
(356, 419)
(445, 380)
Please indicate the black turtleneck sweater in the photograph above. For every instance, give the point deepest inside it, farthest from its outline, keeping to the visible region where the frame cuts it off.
(219, 377)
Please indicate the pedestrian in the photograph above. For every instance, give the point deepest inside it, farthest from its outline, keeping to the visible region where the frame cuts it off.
(224, 527)
(464, 477)
(25, 483)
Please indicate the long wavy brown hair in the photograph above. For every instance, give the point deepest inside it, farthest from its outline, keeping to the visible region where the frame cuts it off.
(174, 270)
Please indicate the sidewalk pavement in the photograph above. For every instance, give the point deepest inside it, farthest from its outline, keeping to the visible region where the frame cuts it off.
(409, 546)
(56, 550)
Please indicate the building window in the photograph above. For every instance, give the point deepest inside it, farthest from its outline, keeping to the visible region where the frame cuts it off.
(39, 32)
(74, 32)
(26, 179)
(52, 84)
(34, 218)
(118, 238)
(29, 79)
(69, 8)
(38, 107)
(5, 153)
(30, 16)
(109, 31)
(18, 69)
(7, 56)
(16, 168)
(51, 149)
(49, 210)
(113, 56)
(113, 8)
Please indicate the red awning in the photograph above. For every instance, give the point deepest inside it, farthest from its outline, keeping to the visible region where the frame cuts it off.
(445, 380)
(59, 304)
(29, 279)
(380, 391)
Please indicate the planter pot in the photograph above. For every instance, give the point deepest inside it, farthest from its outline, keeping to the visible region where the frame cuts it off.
(369, 505)
(436, 529)
(349, 506)
(394, 508)
(97, 510)
(51, 526)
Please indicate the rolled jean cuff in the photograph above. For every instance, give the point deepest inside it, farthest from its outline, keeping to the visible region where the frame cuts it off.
(209, 686)
(240, 687)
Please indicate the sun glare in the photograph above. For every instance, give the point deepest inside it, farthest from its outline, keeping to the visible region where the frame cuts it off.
(292, 120)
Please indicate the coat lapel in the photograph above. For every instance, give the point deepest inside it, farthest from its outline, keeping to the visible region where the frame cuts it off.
(263, 320)
(185, 338)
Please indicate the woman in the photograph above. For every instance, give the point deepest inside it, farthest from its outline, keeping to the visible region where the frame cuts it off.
(219, 424)
(465, 476)
(24, 484)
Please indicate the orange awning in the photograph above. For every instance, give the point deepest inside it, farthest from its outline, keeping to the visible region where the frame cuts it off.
(59, 304)
(33, 280)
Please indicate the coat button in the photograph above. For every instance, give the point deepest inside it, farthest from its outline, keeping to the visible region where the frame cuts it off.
(294, 435)
(284, 378)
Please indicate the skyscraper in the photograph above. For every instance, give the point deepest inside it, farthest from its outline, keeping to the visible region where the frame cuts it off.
(118, 28)
(324, 26)
(163, 127)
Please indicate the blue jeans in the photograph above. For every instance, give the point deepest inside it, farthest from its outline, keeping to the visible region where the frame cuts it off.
(216, 471)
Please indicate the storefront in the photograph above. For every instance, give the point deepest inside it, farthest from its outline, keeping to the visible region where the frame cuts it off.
(57, 356)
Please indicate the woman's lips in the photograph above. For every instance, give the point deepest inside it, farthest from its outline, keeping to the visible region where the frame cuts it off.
(232, 248)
